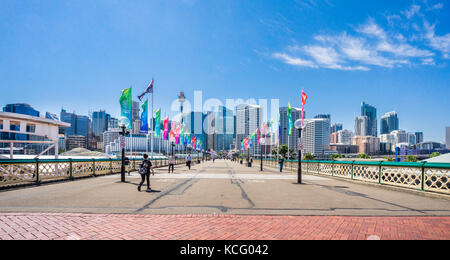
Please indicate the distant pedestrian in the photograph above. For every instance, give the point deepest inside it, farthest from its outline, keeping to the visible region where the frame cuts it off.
(171, 163)
(189, 161)
(281, 162)
(127, 165)
(144, 170)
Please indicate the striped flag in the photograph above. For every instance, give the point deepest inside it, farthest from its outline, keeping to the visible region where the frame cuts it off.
(149, 89)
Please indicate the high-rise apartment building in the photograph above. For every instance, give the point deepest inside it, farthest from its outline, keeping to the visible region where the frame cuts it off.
(361, 126)
(316, 136)
(194, 124)
(248, 119)
(79, 125)
(100, 122)
(419, 137)
(225, 129)
(389, 122)
(345, 137)
(371, 113)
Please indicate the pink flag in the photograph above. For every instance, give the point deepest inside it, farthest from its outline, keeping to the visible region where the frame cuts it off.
(304, 98)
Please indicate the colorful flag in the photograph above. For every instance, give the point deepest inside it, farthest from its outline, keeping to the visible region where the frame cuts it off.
(304, 98)
(158, 123)
(149, 89)
(125, 108)
(144, 118)
(166, 128)
(291, 123)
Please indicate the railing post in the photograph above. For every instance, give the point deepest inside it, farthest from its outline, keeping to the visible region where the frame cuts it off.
(423, 176)
(318, 167)
(379, 175)
(93, 167)
(353, 164)
(110, 166)
(70, 169)
(332, 168)
(37, 171)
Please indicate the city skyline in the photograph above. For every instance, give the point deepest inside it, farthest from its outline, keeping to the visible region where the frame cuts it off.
(258, 50)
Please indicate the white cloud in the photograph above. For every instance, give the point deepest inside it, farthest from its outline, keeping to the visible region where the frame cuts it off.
(294, 61)
(403, 43)
(440, 43)
(412, 11)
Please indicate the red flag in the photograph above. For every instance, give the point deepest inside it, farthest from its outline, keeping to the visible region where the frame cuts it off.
(304, 98)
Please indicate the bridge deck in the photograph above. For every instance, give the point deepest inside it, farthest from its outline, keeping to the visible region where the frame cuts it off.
(256, 205)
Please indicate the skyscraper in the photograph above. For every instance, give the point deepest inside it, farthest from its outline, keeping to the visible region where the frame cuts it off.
(361, 126)
(419, 137)
(248, 119)
(389, 122)
(193, 123)
(371, 113)
(79, 125)
(336, 128)
(225, 129)
(316, 136)
(100, 121)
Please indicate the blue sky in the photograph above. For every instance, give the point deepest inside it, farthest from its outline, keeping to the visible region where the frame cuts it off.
(393, 55)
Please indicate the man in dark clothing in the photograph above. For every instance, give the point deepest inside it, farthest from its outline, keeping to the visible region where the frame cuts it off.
(281, 162)
(144, 171)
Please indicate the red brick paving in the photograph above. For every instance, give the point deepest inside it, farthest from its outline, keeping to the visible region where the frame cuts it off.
(47, 226)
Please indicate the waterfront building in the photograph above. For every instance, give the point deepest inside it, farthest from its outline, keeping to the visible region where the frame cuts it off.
(21, 108)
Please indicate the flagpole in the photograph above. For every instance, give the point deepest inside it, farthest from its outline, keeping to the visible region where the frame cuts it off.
(153, 127)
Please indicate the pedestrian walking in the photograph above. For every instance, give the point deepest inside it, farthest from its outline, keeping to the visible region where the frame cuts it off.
(144, 170)
(189, 161)
(171, 163)
(127, 165)
(281, 162)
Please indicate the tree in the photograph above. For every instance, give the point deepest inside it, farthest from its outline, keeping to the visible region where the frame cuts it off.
(336, 156)
(283, 150)
(363, 156)
(308, 156)
(435, 154)
(411, 158)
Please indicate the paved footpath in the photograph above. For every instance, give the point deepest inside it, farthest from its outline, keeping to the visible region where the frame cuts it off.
(221, 200)
(218, 227)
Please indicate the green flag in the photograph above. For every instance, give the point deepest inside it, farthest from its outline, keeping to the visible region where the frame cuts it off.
(158, 123)
(291, 123)
(125, 108)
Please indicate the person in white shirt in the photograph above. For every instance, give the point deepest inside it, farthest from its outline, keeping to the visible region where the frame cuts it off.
(171, 163)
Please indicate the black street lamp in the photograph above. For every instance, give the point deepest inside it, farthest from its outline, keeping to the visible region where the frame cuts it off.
(261, 142)
(298, 125)
(123, 133)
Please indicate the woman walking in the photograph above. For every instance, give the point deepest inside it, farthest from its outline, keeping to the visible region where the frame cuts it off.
(144, 170)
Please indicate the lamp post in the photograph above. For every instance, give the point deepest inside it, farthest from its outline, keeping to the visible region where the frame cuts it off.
(298, 125)
(123, 133)
(261, 142)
